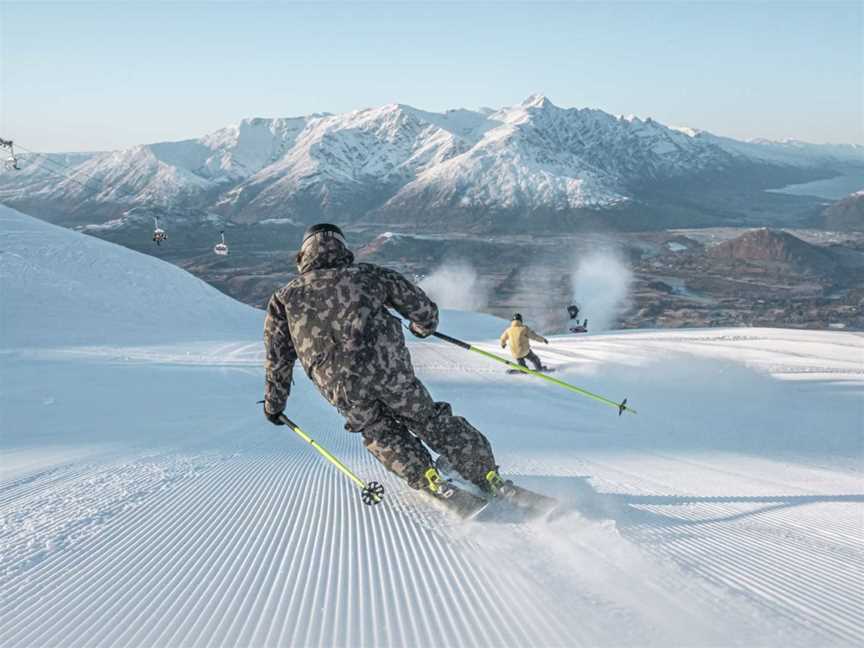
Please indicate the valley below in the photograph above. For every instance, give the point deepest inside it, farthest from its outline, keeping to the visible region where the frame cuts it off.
(670, 278)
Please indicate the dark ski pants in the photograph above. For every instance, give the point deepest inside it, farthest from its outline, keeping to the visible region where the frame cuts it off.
(396, 424)
(534, 358)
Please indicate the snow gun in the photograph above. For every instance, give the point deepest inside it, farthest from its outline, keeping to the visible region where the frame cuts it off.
(621, 407)
(371, 493)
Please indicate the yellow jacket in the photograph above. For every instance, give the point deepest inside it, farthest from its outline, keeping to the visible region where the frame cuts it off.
(518, 336)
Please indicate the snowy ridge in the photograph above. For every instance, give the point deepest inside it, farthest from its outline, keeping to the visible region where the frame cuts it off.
(539, 154)
(531, 156)
(365, 151)
(144, 501)
(785, 152)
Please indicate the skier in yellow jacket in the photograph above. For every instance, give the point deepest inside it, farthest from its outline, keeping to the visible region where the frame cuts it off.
(519, 337)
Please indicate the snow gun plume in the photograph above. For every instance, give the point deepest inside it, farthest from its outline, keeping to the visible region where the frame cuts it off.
(621, 407)
(601, 287)
(455, 284)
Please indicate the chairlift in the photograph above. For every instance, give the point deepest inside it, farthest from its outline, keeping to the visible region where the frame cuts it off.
(221, 248)
(12, 161)
(159, 234)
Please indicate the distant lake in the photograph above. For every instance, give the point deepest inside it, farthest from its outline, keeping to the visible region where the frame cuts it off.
(832, 189)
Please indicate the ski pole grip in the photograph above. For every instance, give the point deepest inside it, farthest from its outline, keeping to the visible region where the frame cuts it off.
(452, 340)
(287, 421)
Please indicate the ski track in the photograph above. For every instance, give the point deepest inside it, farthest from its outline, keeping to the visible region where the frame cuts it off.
(821, 560)
(236, 571)
(240, 566)
(251, 539)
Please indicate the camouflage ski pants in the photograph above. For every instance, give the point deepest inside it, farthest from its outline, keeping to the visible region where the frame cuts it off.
(396, 424)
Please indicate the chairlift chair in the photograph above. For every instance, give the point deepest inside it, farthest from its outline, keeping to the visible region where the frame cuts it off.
(221, 248)
(12, 161)
(159, 234)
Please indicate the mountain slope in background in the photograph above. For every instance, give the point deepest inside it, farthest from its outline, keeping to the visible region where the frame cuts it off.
(773, 245)
(400, 164)
(846, 214)
(786, 152)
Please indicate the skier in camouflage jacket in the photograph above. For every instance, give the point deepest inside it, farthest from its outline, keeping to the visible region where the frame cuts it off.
(334, 318)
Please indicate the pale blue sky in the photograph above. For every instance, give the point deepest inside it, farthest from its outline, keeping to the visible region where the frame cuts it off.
(88, 75)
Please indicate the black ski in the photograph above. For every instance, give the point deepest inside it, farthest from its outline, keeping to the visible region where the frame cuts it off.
(536, 504)
(459, 502)
(532, 503)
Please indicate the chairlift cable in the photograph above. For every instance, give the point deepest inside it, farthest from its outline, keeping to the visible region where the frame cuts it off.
(57, 163)
(91, 188)
(103, 185)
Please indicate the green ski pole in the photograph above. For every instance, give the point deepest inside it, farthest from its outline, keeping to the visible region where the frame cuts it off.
(371, 493)
(621, 407)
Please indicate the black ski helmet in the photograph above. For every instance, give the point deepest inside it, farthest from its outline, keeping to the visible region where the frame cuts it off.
(517, 317)
(327, 230)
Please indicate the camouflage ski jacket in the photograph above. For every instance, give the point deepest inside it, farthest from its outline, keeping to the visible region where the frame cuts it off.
(518, 336)
(334, 318)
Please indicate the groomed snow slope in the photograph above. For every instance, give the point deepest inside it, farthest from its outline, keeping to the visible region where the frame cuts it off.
(145, 502)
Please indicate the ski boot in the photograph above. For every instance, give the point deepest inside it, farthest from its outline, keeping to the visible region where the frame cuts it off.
(437, 485)
(497, 486)
(464, 504)
(506, 490)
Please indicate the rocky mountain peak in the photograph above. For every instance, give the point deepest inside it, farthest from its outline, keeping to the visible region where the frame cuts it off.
(537, 101)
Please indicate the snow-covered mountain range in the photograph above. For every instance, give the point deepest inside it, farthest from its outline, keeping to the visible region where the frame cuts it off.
(396, 161)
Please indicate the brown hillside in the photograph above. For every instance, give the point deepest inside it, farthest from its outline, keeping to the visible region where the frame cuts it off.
(845, 215)
(767, 245)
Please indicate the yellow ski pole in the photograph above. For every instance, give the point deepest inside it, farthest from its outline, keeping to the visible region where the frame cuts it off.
(621, 407)
(371, 493)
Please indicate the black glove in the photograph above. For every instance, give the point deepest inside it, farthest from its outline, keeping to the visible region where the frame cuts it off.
(275, 419)
(545, 341)
(419, 332)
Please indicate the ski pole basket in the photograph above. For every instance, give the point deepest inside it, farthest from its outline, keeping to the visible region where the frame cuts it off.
(372, 493)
